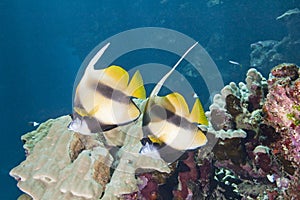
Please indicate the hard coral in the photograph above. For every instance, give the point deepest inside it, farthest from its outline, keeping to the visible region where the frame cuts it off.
(49, 172)
(61, 164)
(238, 108)
(282, 109)
(245, 139)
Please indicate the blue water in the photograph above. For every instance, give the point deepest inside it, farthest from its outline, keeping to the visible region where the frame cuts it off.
(42, 44)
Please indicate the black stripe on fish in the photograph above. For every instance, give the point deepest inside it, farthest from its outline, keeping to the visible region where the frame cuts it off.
(95, 126)
(165, 114)
(114, 94)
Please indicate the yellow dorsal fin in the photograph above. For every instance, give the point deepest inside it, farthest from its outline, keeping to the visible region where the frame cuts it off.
(199, 140)
(197, 114)
(178, 101)
(118, 74)
(136, 86)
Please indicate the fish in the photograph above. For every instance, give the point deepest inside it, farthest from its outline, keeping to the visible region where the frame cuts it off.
(235, 63)
(33, 123)
(168, 120)
(104, 98)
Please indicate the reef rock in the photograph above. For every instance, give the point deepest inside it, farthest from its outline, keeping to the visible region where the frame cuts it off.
(266, 54)
(61, 164)
(59, 167)
(257, 125)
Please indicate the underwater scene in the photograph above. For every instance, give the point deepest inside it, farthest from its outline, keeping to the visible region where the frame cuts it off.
(150, 100)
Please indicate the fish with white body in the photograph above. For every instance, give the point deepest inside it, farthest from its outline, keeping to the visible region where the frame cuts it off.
(103, 98)
(103, 101)
(168, 119)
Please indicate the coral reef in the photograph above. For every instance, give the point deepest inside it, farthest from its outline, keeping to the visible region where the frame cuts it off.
(61, 164)
(282, 109)
(238, 108)
(253, 152)
(269, 53)
(266, 112)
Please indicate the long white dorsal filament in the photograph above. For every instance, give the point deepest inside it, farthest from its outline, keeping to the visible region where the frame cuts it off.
(96, 57)
(157, 88)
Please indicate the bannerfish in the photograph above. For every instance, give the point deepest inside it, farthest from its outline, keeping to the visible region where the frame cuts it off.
(168, 120)
(103, 98)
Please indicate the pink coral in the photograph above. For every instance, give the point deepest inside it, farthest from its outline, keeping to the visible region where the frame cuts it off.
(282, 109)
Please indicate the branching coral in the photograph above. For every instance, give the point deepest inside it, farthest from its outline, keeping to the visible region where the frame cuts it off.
(238, 108)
